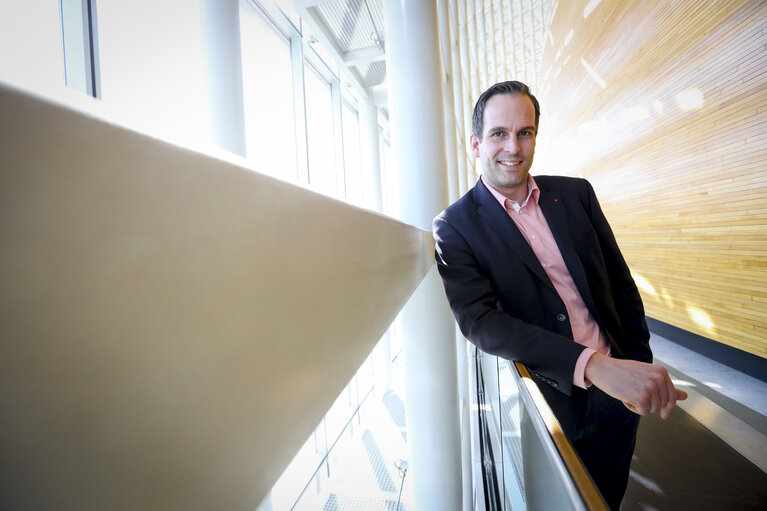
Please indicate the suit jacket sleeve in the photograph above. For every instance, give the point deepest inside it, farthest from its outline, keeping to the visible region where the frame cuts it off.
(476, 306)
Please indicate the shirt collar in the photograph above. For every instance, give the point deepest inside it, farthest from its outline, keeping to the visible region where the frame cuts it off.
(532, 188)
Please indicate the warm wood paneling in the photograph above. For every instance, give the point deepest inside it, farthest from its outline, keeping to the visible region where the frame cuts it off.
(663, 107)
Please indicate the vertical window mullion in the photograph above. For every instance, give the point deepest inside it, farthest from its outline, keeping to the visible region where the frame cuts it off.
(80, 41)
(299, 98)
(338, 143)
(90, 38)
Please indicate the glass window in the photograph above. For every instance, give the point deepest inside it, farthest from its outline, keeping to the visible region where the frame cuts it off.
(319, 127)
(322, 53)
(352, 169)
(340, 412)
(80, 46)
(74, 44)
(31, 41)
(152, 74)
(290, 12)
(268, 93)
(296, 475)
(307, 481)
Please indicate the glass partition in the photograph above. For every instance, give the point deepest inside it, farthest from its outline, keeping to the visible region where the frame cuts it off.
(534, 465)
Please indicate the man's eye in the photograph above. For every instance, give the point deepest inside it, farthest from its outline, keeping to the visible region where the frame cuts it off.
(497, 134)
(525, 133)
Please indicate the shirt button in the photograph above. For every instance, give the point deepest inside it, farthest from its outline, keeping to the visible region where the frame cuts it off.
(561, 317)
(543, 264)
(533, 236)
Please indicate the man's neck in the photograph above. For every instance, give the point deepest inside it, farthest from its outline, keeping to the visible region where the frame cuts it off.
(517, 194)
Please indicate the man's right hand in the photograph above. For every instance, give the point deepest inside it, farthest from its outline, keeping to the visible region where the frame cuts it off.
(644, 388)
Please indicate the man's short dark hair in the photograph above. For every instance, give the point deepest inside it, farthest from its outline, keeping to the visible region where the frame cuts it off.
(510, 87)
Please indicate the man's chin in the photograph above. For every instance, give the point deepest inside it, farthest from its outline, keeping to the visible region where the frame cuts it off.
(513, 182)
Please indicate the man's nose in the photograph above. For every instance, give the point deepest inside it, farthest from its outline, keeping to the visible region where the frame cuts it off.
(512, 144)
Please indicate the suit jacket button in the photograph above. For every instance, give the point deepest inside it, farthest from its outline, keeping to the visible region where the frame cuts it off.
(561, 317)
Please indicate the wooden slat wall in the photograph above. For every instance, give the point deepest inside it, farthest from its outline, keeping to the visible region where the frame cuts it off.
(494, 40)
(684, 184)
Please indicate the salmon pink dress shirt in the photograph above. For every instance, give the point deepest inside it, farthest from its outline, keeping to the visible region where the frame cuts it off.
(530, 221)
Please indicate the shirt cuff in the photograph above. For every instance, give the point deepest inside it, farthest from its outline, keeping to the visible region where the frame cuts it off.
(579, 376)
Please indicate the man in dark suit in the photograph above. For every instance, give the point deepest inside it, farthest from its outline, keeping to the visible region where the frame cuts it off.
(533, 273)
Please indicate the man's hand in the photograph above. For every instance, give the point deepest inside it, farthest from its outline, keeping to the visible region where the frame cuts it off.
(643, 388)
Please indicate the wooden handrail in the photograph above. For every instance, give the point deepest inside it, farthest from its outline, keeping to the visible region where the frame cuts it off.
(585, 486)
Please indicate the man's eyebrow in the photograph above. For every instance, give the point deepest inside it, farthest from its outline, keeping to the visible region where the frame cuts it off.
(503, 128)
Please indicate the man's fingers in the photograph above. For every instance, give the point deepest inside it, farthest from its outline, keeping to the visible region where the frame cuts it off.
(679, 395)
(662, 392)
(668, 390)
(666, 411)
(644, 388)
(655, 402)
(659, 393)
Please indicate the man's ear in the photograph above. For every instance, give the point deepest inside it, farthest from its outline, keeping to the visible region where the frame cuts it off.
(474, 142)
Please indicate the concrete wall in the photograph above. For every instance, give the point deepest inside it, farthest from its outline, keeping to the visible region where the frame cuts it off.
(173, 324)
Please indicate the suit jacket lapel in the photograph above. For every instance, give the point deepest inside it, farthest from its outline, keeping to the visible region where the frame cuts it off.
(553, 209)
(492, 212)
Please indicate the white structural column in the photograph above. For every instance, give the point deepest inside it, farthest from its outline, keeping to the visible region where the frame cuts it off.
(370, 155)
(223, 71)
(417, 137)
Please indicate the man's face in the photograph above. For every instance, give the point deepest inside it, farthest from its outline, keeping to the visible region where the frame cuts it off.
(508, 143)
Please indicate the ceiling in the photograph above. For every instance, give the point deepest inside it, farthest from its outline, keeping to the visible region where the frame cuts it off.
(352, 31)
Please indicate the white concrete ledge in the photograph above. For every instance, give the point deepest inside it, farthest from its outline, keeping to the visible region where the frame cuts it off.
(173, 325)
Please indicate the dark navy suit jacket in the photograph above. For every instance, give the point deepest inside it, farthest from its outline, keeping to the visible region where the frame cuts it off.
(504, 301)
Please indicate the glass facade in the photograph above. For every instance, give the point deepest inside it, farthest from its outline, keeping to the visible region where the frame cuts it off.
(269, 103)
